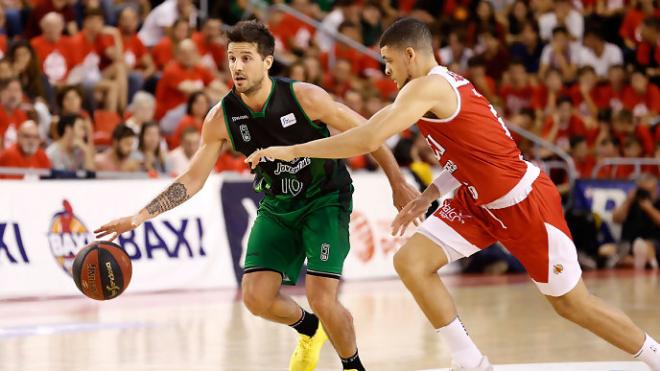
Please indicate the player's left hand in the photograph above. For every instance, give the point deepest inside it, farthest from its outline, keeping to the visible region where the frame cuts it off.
(414, 210)
(271, 153)
(403, 193)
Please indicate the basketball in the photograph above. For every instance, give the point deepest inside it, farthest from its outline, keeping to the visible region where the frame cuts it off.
(102, 270)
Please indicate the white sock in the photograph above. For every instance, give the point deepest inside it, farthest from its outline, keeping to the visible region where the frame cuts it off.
(462, 349)
(650, 353)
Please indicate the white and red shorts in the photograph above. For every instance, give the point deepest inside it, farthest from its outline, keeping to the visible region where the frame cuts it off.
(529, 222)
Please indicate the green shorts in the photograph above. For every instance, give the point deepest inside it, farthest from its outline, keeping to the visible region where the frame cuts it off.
(281, 238)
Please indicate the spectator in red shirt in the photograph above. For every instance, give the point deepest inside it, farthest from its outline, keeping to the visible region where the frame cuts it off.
(648, 51)
(585, 94)
(26, 153)
(12, 114)
(546, 96)
(611, 93)
(559, 127)
(338, 81)
(196, 109)
(623, 126)
(211, 45)
(137, 59)
(181, 78)
(43, 7)
(361, 64)
(485, 84)
(517, 92)
(630, 27)
(584, 160)
(642, 98)
(495, 54)
(163, 52)
(606, 148)
(632, 148)
(53, 50)
(98, 55)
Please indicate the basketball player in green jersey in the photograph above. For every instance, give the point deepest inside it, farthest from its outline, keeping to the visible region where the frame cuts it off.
(306, 209)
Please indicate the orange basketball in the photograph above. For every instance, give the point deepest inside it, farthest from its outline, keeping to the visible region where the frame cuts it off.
(102, 270)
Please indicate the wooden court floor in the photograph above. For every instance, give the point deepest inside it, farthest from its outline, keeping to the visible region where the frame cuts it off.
(210, 330)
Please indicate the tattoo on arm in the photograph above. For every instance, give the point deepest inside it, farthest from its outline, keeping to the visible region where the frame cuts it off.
(173, 196)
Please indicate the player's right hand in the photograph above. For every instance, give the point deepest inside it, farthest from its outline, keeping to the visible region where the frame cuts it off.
(117, 227)
(414, 210)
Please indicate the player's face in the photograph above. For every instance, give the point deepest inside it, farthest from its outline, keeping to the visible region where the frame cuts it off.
(396, 65)
(248, 68)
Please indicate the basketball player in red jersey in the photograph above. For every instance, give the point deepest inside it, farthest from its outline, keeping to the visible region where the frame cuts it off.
(497, 197)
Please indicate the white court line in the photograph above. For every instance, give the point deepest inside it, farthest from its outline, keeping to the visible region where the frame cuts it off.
(49, 329)
(569, 366)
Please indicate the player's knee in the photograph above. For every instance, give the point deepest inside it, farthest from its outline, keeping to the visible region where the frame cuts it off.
(256, 302)
(322, 302)
(407, 265)
(569, 307)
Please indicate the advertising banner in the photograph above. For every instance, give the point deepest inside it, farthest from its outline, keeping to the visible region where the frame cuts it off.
(43, 224)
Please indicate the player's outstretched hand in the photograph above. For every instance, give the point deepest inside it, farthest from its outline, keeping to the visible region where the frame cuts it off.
(270, 153)
(117, 227)
(413, 211)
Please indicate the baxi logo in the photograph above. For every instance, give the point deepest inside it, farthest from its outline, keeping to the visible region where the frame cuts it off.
(67, 234)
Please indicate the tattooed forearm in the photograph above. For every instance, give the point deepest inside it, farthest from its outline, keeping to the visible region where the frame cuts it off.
(173, 196)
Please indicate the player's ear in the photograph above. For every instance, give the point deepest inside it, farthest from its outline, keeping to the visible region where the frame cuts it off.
(410, 53)
(269, 61)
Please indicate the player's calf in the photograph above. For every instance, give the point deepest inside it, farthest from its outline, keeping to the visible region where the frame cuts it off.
(609, 323)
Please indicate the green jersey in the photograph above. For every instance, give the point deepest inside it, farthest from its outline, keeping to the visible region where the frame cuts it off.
(282, 122)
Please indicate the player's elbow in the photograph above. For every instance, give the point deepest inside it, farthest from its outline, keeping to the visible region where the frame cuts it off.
(370, 144)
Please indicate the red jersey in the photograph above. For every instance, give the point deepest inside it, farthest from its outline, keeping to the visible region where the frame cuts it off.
(473, 144)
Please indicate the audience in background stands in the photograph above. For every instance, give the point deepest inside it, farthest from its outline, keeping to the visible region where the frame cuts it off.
(110, 85)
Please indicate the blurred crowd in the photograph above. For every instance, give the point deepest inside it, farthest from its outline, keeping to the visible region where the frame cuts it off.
(124, 85)
(113, 85)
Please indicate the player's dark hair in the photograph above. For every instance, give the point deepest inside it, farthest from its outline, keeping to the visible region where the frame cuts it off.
(122, 131)
(66, 121)
(408, 33)
(253, 32)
